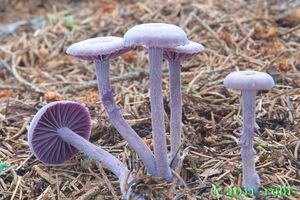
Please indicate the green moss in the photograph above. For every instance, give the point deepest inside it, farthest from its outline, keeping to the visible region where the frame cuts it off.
(3, 166)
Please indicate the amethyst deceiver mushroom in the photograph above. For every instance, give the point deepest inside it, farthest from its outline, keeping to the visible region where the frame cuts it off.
(249, 82)
(174, 56)
(61, 129)
(156, 37)
(101, 50)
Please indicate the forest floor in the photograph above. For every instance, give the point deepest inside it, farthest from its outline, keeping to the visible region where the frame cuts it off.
(238, 35)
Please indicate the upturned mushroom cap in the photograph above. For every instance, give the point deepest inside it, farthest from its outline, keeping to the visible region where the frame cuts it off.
(183, 51)
(43, 138)
(249, 80)
(98, 48)
(155, 35)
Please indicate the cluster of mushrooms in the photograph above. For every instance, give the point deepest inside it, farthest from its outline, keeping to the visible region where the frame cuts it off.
(61, 129)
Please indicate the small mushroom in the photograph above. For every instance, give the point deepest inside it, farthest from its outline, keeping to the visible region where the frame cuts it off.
(174, 56)
(156, 37)
(101, 50)
(61, 129)
(249, 82)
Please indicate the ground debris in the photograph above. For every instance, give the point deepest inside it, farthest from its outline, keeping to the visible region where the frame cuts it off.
(237, 35)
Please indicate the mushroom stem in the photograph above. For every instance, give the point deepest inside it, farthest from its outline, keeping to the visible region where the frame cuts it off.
(96, 153)
(176, 107)
(116, 118)
(157, 113)
(250, 176)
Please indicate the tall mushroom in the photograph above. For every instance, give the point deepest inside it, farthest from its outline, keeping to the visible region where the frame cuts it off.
(156, 37)
(61, 129)
(174, 56)
(101, 50)
(249, 82)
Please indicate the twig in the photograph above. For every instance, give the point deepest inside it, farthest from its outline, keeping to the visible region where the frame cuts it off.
(57, 186)
(110, 187)
(7, 29)
(6, 66)
(21, 131)
(188, 19)
(214, 34)
(91, 193)
(17, 186)
(92, 84)
(44, 175)
(244, 40)
(268, 64)
(43, 195)
(177, 151)
(8, 169)
(201, 73)
(11, 87)
(18, 76)
(176, 173)
(22, 164)
(126, 77)
(290, 30)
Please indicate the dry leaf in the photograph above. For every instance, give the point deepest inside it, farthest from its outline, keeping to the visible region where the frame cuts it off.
(53, 96)
(210, 139)
(44, 175)
(43, 53)
(265, 32)
(2, 74)
(277, 45)
(6, 94)
(135, 8)
(91, 96)
(189, 77)
(109, 7)
(283, 66)
(273, 32)
(149, 143)
(271, 48)
(259, 30)
(210, 172)
(224, 35)
(128, 57)
(290, 18)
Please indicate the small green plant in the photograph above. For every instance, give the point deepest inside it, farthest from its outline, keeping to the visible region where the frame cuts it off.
(51, 18)
(3, 166)
(70, 24)
(216, 191)
(54, 18)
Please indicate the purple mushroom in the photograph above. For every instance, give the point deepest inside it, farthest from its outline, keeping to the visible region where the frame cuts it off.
(101, 50)
(156, 37)
(61, 129)
(174, 56)
(249, 82)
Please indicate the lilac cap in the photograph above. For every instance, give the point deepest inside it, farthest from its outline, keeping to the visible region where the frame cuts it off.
(249, 80)
(184, 51)
(102, 48)
(43, 138)
(155, 35)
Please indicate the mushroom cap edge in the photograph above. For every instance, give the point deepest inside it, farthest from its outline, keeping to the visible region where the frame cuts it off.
(249, 80)
(159, 35)
(41, 112)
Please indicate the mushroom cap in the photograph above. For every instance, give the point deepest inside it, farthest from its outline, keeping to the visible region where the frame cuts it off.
(249, 80)
(98, 48)
(43, 139)
(155, 35)
(183, 51)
